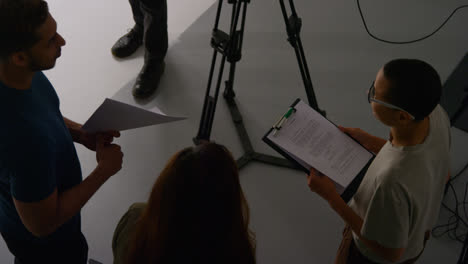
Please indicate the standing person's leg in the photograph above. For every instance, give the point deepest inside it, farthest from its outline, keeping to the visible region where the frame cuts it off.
(138, 16)
(129, 43)
(155, 27)
(155, 40)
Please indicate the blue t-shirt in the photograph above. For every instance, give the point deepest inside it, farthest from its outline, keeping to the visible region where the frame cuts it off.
(37, 156)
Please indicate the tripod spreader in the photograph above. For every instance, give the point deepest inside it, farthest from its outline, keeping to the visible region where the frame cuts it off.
(224, 44)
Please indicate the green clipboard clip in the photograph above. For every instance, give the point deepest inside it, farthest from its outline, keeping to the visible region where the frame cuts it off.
(279, 124)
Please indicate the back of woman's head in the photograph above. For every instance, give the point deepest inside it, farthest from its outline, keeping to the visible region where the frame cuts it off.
(196, 212)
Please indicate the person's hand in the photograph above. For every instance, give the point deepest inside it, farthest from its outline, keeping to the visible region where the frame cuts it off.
(108, 156)
(89, 139)
(322, 185)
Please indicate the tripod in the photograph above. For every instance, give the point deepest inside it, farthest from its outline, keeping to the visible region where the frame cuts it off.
(230, 47)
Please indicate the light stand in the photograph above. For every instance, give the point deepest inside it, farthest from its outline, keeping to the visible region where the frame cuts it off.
(455, 119)
(230, 47)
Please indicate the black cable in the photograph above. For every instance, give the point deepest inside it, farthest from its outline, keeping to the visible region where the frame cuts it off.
(459, 173)
(456, 221)
(451, 231)
(453, 224)
(405, 42)
(464, 201)
(464, 253)
(462, 258)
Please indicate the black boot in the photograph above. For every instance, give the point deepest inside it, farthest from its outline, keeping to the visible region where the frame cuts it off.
(148, 79)
(128, 43)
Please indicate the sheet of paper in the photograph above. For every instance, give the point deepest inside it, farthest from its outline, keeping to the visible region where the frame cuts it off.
(340, 189)
(115, 115)
(313, 140)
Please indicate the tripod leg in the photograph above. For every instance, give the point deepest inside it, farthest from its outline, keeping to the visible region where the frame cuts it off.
(209, 105)
(229, 46)
(229, 93)
(203, 129)
(235, 48)
(293, 28)
(235, 54)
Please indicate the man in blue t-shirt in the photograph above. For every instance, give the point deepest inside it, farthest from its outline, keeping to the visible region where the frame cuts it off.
(41, 186)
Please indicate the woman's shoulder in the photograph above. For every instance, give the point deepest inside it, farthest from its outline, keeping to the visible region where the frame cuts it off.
(124, 229)
(138, 207)
(132, 214)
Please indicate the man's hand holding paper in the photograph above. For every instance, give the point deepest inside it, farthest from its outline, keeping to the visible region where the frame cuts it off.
(89, 139)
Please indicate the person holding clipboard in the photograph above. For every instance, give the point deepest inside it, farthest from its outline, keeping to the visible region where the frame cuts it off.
(397, 203)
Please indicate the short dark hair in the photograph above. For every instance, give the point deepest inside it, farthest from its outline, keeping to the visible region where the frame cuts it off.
(414, 86)
(19, 21)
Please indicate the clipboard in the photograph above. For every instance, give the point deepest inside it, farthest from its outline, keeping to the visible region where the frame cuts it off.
(351, 188)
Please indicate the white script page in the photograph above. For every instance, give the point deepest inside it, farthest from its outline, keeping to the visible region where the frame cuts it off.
(115, 115)
(314, 141)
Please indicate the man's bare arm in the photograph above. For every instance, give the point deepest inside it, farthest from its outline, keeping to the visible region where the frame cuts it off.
(325, 187)
(370, 142)
(74, 128)
(44, 217)
(356, 222)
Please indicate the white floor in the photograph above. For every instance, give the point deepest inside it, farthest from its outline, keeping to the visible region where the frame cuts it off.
(292, 224)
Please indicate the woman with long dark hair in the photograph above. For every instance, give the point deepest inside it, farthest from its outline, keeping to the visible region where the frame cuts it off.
(196, 213)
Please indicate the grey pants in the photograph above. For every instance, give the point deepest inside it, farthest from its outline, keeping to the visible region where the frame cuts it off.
(151, 18)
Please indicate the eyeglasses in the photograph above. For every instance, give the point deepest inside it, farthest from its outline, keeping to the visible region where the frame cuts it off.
(371, 98)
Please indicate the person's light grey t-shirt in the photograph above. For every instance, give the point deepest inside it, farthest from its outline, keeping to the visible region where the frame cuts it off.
(401, 193)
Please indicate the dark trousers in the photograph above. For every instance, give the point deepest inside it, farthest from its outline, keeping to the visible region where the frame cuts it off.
(71, 251)
(151, 18)
(348, 253)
